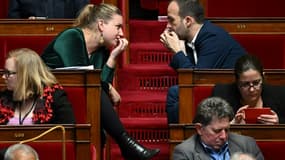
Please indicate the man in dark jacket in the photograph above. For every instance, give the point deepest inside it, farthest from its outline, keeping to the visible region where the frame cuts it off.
(206, 45)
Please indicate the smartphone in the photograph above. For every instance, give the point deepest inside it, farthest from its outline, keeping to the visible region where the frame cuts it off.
(251, 114)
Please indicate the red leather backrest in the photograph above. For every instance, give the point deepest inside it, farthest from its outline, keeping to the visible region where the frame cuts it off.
(270, 49)
(77, 97)
(245, 8)
(200, 93)
(146, 32)
(160, 5)
(271, 150)
(37, 43)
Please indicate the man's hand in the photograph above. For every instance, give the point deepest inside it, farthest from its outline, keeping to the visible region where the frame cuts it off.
(170, 40)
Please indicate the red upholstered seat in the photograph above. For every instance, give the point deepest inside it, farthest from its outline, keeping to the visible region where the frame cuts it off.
(142, 31)
(269, 48)
(77, 97)
(37, 43)
(200, 93)
(244, 8)
(272, 150)
(45, 150)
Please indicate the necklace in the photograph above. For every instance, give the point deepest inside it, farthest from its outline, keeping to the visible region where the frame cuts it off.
(25, 116)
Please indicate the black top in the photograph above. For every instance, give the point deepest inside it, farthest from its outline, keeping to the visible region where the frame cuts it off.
(272, 96)
(45, 8)
(53, 107)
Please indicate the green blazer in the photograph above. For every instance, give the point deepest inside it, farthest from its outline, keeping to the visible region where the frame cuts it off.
(69, 49)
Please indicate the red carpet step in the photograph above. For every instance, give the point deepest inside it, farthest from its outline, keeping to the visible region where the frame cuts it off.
(146, 78)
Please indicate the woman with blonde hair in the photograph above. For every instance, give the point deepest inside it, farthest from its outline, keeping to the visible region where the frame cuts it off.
(97, 39)
(32, 94)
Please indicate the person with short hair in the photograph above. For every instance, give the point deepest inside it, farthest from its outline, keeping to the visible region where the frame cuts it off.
(205, 45)
(213, 139)
(32, 94)
(21, 152)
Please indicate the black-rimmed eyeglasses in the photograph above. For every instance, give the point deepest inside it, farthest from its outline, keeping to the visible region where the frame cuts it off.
(8, 73)
(255, 84)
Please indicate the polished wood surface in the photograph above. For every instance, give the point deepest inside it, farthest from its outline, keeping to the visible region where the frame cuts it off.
(90, 80)
(269, 132)
(54, 26)
(252, 26)
(51, 27)
(24, 27)
(189, 78)
(78, 134)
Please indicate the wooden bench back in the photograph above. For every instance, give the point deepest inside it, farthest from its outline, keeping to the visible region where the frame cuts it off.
(50, 146)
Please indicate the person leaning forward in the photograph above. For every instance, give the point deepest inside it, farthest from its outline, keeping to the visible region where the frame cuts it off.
(206, 46)
(97, 39)
(213, 139)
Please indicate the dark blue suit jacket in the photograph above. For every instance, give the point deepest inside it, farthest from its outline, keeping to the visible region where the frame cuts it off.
(215, 49)
(45, 8)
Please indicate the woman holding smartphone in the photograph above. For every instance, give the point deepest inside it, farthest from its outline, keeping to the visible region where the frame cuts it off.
(250, 91)
(97, 39)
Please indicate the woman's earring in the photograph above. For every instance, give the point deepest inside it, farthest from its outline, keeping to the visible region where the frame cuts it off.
(101, 40)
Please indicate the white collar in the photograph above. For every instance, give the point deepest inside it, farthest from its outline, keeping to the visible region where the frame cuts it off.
(191, 44)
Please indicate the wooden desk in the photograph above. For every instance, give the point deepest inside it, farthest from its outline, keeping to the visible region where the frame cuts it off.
(13, 27)
(251, 25)
(33, 34)
(90, 81)
(189, 78)
(261, 133)
(78, 134)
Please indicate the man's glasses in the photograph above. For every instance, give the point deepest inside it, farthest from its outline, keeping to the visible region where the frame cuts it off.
(8, 73)
(247, 85)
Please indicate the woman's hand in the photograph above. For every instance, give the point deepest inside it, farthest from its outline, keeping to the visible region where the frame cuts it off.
(114, 95)
(268, 118)
(240, 116)
(120, 47)
(122, 44)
